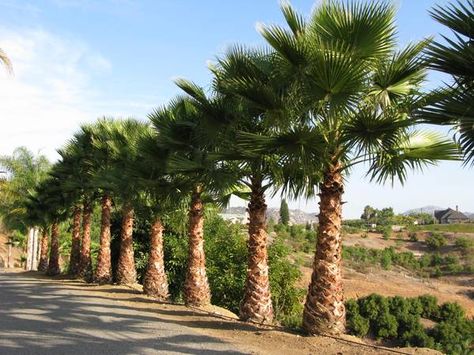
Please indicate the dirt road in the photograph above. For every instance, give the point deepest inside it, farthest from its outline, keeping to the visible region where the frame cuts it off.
(39, 315)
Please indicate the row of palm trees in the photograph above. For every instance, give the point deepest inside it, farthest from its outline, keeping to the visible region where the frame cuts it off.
(329, 92)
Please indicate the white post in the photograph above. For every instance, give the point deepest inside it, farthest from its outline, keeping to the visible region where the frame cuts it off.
(29, 249)
(34, 260)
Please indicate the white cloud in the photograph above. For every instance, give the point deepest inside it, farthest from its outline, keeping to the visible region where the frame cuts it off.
(50, 93)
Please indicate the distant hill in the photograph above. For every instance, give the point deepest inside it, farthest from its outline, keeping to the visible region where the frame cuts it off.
(424, 209)
(296, 216)
(431, 209)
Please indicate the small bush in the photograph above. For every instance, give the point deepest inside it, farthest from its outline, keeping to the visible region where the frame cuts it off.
(413, 236)
(387, 232)
(398, 318)
(435, 241)
(464, 243)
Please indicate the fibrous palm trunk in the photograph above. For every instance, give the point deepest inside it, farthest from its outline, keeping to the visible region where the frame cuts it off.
(53, 265)
(155, 283)
(103, 273)
(324, 311)
(126, 272)
(196, 286)
(85, 270)
(43, 261)
(256, 305)
(75, 258)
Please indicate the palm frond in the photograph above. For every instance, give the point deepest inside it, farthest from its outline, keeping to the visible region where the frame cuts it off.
(417, 151)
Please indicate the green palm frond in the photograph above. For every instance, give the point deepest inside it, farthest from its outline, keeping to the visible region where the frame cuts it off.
(367, 29)
(399, 75)
(295, 21)
(417, 151)
(457, 16)
(370, 130)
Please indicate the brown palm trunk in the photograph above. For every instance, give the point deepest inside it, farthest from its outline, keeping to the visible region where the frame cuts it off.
(155, 283)
(256, 305)
(126, 272)
(43, 262)
(75, 258)
(53, 265)
(85, 270)
(103, 273)
(324, 311)
(196, 286)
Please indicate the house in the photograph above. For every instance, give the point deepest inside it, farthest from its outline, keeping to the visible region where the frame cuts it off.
(450, 216)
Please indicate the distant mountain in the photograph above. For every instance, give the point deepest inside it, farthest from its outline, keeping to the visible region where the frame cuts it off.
(296, 216)
(431, 209)
(424, 209)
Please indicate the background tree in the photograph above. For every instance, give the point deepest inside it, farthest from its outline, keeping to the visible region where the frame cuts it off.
(284, 213)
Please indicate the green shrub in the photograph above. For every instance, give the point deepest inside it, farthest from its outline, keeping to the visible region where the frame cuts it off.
(287, 299)
(386, 260)
(435, 241)
(413, 236)
(398, 319)
(464, 243)
(430, 309)
(451, 312)
(387, 232)
(385, 326)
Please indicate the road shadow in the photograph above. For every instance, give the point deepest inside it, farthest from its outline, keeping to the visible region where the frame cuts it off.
(38, 316)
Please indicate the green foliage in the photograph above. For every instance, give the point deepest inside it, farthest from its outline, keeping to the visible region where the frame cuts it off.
(413, 236)
(449, 228)
(435, 241)
(387, 232)
(284, 213)
(398, 319)
(464, 243)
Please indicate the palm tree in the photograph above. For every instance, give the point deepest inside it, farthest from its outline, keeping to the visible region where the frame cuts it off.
(189, 156)
(161, 195)
(75, 172)
(349, 96)
(44, 244)
(454, 105)
(5, 61)
(48, 194)
(119, 140)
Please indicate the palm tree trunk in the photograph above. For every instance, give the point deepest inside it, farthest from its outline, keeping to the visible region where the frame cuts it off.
(126, 272)
(53, 265)
(324, 311)
(43, 262)
(103, 273)
(256, 305)
(75, 258)
(155, 283)
(196, 286)
(85, 270)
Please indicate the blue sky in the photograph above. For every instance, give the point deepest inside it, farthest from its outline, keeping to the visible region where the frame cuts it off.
(76, 60)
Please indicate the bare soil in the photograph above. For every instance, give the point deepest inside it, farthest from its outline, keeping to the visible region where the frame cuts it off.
(398, 281)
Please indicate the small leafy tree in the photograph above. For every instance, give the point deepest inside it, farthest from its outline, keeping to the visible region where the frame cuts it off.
(284, 213)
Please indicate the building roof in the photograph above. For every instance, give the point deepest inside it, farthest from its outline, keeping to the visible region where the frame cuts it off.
(449, 214)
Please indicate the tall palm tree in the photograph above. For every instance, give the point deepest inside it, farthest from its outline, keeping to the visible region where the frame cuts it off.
(228, 113)
(44, 244)
(161, 194)
(454, 104)
(121, 137)
(350, 95)
(75, 172)
(189, 156)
